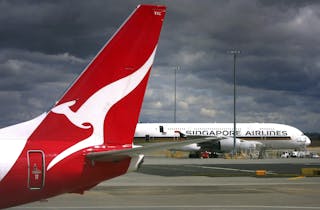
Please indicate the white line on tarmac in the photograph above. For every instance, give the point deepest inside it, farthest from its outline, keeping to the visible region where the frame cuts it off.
(231, 169)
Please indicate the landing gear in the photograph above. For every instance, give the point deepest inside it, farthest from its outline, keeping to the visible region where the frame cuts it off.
(204, 154)
(194, 155)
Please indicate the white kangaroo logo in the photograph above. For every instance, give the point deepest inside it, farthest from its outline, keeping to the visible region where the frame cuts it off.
(72, 116)
(94, 110)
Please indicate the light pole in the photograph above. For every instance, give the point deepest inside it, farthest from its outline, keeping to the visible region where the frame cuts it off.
(175, 94)
(234, 52)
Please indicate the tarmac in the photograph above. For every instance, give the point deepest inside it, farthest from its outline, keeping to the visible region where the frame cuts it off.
(166, 183)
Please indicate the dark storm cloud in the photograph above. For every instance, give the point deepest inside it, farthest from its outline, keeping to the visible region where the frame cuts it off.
(30, 82)
(277, 71)
(45, 44)
(21, 70)
(78, 27)
(275, 41)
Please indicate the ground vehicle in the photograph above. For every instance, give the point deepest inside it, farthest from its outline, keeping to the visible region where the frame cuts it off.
(285, 155)
(298, 154)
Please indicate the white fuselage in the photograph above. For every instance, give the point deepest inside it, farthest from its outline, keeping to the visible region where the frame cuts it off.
(270, 135)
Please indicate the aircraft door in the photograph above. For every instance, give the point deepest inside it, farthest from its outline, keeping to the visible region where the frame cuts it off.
(36, 169)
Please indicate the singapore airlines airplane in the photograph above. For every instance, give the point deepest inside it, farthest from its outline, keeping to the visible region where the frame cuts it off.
(87, 136)
(249, 135)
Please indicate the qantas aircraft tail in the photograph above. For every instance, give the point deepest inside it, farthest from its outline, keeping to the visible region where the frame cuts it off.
(48, 155)
(107, 96)
(87, 136)
(103, 105)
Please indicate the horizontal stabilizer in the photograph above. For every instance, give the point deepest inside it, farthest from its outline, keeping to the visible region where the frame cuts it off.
(119, 154)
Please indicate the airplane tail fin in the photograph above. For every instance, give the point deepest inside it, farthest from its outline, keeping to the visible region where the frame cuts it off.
(103, 105)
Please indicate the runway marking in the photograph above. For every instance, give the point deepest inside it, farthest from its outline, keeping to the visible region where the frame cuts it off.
(312, 164)
(170, 168)
(232, 169)
(296, 178)
(175, 207)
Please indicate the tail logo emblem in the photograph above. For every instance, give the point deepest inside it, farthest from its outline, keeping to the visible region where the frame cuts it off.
(94, 110)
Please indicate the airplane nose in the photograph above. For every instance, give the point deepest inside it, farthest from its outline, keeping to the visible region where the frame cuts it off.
(308, 141)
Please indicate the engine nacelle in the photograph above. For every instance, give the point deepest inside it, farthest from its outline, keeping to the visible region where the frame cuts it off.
(247, 145)
(226, 145)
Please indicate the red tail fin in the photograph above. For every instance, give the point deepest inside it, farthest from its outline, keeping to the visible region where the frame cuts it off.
(103, 105)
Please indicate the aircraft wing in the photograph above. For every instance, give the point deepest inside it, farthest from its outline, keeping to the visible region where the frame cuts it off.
(119, 154)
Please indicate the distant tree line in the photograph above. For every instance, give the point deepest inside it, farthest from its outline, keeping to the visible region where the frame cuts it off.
(315, 139)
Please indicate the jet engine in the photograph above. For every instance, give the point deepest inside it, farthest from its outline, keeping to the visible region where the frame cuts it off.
(226, 145)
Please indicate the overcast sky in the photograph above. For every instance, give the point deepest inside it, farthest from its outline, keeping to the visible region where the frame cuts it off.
(44, 45)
